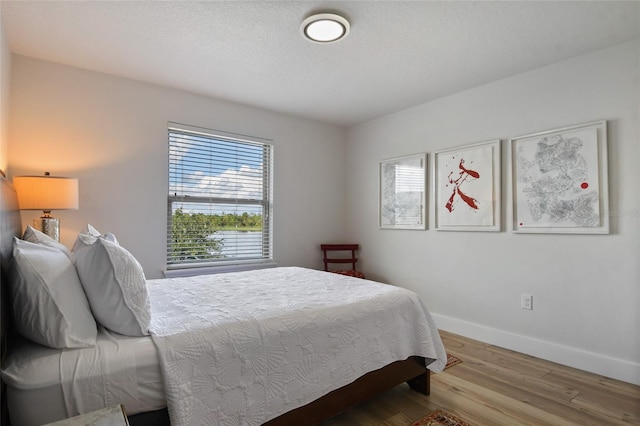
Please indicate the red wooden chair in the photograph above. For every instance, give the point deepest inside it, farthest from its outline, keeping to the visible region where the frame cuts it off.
(343, 257)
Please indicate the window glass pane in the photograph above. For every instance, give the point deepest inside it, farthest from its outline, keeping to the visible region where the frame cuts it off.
(217, 168)
(218, 202)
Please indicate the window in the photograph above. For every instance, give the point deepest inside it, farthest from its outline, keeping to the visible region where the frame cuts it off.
(219, 202)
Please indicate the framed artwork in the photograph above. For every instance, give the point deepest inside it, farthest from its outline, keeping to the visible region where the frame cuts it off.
(403, 192)
(467, 188)
(560, 181)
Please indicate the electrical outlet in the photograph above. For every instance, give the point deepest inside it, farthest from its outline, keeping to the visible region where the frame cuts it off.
(526, 301)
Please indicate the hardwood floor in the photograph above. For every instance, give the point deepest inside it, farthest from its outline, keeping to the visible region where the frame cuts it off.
(495, 386)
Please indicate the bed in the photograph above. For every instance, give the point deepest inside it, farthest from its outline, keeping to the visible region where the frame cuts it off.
(299, 346)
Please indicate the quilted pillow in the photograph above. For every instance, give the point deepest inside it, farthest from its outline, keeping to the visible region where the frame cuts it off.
(115, 286)
(49, 305)
(88, 236)
(34, 236)
(91, 230)
(85, 240)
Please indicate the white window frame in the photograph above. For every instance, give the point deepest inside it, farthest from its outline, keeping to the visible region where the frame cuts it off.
(265, 259)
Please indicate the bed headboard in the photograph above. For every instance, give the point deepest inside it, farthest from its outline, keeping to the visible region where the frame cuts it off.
(10, 226)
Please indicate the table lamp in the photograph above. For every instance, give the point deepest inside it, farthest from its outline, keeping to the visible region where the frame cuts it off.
(47, 193)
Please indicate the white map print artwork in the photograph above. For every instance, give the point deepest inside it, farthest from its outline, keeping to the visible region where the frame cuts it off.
(402, 193)
(557, 180)
(465, 188)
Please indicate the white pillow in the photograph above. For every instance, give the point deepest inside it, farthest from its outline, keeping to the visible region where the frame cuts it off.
(34, 236)
(49, 305)
(90, 230)
(85, 240)
(88, 236)
(115, 286)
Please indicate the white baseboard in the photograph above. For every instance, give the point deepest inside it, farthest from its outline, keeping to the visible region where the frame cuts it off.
(604, 365)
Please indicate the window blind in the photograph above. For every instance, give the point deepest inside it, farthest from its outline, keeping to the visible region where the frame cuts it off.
(219, 198)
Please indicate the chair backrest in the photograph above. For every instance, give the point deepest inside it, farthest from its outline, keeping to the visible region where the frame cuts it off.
(343, 258)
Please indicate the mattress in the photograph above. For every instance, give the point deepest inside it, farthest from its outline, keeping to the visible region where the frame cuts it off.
(64, 383)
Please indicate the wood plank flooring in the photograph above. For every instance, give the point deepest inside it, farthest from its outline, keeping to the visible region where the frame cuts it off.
(495, 386)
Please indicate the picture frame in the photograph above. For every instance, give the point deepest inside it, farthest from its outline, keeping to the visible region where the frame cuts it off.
(560, 180)
(402, 192)
(467, 187)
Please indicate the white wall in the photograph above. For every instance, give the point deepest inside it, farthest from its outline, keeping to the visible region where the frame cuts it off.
(585, 287)
(5, 79)
(111, 133)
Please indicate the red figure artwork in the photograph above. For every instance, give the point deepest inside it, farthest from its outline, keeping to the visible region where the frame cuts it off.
(463, 175)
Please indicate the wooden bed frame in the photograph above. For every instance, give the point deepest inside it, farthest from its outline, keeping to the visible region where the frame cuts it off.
(412, 370)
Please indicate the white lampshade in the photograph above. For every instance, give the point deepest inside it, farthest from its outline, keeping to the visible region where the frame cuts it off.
(46, 193)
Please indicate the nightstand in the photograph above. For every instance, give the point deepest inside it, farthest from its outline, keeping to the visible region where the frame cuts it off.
(112, 416)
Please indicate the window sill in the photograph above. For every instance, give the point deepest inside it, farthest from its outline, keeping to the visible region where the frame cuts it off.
(207, 270)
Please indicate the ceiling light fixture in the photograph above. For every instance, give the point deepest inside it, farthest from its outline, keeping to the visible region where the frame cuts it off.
(325, 27)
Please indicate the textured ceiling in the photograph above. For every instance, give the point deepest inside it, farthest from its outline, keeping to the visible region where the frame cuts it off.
(399, 54)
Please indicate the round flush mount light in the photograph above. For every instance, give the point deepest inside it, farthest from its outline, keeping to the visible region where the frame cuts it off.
(325, 27)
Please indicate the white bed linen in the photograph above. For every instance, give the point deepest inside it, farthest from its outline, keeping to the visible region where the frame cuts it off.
(294, 335)
(45, 385)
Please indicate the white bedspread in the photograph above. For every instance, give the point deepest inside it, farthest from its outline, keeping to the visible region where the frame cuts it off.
(292, 336)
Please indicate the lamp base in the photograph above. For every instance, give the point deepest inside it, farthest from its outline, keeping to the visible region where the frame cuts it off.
(49, 226)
